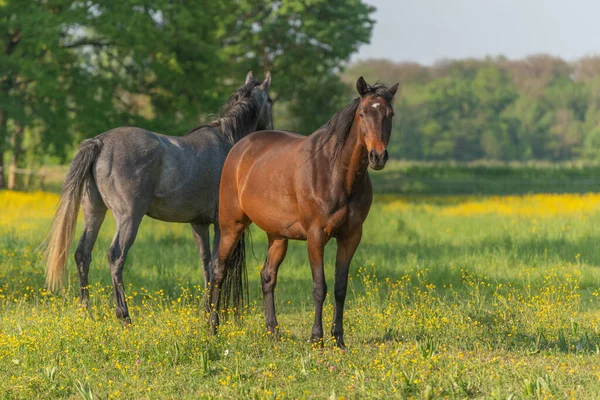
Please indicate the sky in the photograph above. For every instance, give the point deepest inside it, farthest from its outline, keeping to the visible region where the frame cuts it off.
(425, 31)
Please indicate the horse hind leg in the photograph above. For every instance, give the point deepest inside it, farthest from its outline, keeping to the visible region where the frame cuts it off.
(202, 239)
(127, 228)
(227, 244)
(232, 224)
(94, 211)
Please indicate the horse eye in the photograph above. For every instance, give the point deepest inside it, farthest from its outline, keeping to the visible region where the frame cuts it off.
(361, 114)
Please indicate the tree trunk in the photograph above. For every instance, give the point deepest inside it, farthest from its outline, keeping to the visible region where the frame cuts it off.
(17, 151)
(2, 141)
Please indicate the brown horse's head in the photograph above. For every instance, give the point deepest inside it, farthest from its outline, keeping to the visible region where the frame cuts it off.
(260, 95)
(375, 112)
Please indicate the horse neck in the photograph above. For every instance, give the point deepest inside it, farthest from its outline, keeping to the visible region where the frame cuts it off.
(233, 130)
(353, 160)
(238, 121)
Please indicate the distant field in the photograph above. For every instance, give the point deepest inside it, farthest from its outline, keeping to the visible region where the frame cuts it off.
(487, 178)
(451, 297)
(445, 178)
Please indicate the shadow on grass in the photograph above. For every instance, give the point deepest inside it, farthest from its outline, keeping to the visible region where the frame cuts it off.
(150, 267)
(586, 342)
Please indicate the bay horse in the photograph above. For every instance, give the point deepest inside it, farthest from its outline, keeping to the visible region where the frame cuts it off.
(135, 172)
(311, 188)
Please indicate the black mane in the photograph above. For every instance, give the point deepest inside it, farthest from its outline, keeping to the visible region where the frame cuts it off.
(236, 115)
(338, 127)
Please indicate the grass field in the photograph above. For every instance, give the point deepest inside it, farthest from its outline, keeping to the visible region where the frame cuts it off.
(487, 178)
(450, 297)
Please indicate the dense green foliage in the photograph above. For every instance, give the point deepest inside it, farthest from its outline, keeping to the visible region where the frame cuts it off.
(539, 108)
(72, 69)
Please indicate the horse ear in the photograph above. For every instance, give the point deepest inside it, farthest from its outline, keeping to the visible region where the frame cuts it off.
(267, 82)
(249, 77)
(362, 86)
(393, 89)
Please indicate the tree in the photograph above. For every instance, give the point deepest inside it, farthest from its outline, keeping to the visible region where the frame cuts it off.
(304, 43)
(538, 108)
(36, 66)
(73, 69)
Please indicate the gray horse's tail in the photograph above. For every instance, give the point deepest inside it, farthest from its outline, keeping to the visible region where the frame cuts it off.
(61, 233)
(235, 285)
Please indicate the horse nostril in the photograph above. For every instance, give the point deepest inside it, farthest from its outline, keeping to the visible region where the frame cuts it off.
(385, 155)
(372, 156)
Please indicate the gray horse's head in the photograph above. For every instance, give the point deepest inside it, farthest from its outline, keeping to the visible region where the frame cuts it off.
(259, 93)
(249, 109)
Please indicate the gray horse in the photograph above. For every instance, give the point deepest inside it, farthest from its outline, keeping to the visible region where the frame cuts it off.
(135, 172)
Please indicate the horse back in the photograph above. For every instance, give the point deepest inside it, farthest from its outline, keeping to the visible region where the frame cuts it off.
(173, 178)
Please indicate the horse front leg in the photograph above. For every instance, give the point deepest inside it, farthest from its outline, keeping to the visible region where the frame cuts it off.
(316, 242)
(346, 249)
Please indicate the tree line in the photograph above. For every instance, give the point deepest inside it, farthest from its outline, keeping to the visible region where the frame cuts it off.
(71, 69)
(537, 108)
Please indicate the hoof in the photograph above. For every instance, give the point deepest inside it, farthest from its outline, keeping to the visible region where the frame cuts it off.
(214, 324)
(84, 305)
(339, 341)
(273, 334)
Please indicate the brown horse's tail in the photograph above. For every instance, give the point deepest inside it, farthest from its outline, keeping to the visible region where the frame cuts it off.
(61, 233)
(235, 285)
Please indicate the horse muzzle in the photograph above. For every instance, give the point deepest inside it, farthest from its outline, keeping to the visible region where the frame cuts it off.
(377, 160)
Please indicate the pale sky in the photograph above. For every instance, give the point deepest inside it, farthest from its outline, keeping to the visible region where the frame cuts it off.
(428, 30)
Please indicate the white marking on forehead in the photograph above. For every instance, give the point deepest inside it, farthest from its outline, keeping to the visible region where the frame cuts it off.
(375, 105)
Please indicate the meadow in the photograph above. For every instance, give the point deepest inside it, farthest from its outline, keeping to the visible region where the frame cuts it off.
(487, 177)
(449, 297)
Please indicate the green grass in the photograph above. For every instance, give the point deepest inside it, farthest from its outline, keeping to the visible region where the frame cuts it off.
(439, 305)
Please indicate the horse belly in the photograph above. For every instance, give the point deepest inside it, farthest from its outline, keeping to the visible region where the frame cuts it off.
(176, 210)
(287, 230)
(278, 220)
(186, 191)
(293, 231)
(188, 200)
